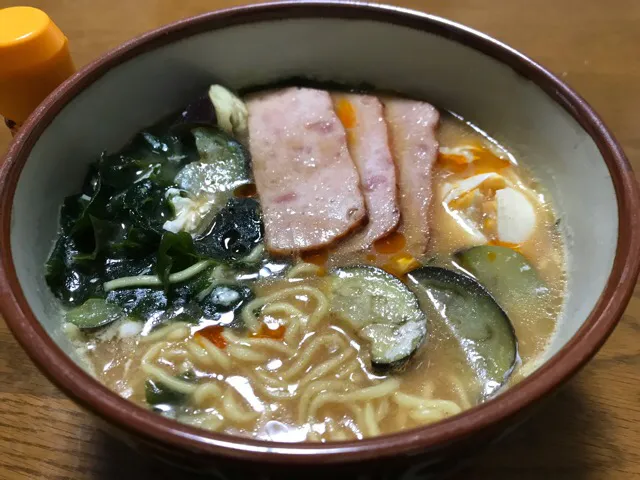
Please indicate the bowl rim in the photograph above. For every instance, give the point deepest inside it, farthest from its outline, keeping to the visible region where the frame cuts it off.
(146, 425)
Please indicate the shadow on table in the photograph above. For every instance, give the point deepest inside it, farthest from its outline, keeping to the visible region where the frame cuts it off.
(547, 446)
(553, 444)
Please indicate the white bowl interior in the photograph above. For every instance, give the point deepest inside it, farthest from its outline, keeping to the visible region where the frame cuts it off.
(453, 76)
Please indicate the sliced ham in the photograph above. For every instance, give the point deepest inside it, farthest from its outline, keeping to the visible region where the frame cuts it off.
(412, 127)
(306, 180)
(363, 118)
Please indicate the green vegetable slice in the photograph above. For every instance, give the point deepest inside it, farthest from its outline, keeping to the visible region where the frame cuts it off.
(94, 313)
(477, 322)
(382, 310)
(507, 274)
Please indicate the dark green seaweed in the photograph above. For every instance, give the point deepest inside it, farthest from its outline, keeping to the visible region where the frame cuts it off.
(157, 393)
(114, 228)
(235, 231)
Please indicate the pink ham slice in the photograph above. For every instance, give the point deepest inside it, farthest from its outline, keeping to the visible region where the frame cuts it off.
(363, 118)
(412, 127)
(306, 180)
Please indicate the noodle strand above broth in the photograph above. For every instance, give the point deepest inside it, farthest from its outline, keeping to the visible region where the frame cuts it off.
(185, 293)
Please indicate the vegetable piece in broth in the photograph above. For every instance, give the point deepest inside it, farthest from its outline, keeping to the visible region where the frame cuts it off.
(480, 326)
(507, 274)
(382, 310)
(94, 313)
(223, 165)
(205, 186)
(231, 112)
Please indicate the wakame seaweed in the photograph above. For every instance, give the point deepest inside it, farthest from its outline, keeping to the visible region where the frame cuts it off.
(235, 231)
(115, 228)
(224, 299)
(175, 252)
(157, 393)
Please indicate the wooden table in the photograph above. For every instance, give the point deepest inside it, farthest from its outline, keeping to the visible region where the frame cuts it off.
(591, 430)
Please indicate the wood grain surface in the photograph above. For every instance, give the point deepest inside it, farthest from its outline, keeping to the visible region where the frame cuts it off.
(589, 431)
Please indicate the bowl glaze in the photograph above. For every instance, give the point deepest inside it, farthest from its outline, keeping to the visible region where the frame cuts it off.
(547, 125)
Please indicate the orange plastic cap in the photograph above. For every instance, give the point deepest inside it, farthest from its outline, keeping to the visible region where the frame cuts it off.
(34, 59)
(28, 37)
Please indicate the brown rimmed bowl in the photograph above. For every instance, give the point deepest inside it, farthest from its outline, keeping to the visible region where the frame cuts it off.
(547, 125)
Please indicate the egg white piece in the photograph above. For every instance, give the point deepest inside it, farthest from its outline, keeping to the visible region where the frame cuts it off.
(467, 229)
(458, 189)
(516, 217)
(129, 329)
(462, 151)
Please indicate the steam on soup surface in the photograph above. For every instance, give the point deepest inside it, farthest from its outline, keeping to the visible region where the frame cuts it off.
(305, 265)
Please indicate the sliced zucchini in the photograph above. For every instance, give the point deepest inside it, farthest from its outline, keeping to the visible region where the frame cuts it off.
(382, 310)
(507, 274)
(94, 313)
(476, 321)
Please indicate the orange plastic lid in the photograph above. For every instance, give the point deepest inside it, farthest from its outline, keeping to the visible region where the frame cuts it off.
(34, 59)
(28, 37)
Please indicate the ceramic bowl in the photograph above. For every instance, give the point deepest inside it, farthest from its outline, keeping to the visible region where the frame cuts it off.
(549, 127)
